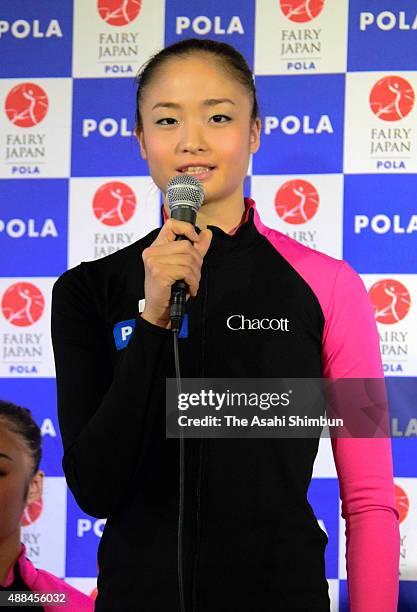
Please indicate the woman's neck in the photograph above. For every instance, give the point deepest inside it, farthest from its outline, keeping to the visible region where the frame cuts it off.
(10, 549)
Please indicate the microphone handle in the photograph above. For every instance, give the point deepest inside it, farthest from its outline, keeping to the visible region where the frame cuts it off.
(180, 287)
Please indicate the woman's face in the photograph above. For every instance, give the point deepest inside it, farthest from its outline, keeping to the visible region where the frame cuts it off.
(15, 480)
(217, 135)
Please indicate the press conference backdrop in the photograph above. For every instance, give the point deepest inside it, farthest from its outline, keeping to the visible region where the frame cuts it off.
(336, 170)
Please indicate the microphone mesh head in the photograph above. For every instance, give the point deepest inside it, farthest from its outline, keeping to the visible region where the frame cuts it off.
(185, 189)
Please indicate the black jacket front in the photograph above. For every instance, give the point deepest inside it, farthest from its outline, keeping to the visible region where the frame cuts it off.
(251, 540)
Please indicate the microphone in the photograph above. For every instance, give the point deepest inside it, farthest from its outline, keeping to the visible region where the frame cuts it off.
(185, 195)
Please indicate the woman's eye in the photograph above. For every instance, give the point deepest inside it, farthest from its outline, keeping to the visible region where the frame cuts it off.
(225, 116)
(166, 119)
(172, 119)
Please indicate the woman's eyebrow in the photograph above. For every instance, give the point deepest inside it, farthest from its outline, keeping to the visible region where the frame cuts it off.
(209, 102)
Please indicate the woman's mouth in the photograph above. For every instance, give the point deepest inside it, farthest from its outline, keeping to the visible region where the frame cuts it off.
(200, 172)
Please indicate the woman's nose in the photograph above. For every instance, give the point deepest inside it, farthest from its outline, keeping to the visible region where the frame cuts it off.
(192, 139)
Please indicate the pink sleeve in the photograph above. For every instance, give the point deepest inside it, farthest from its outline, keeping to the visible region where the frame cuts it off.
(364, 465)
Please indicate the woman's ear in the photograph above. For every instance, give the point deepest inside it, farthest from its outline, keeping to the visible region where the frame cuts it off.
(35, 487)
(140, 136)
(255, 135)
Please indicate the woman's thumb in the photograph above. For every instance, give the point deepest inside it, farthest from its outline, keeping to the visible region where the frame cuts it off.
(205, 240)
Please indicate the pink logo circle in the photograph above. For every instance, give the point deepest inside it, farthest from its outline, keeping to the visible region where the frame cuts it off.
(114, 203)
(32, 513)
(301, 11)
(390, 301)
(26, 105)
(22, 304)
(118, 12)
(402, 502)
(391, 98)
(297, 201)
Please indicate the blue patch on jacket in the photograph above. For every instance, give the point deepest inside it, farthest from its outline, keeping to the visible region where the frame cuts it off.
(123, 331)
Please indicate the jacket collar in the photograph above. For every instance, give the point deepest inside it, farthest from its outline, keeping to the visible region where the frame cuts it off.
(249, 203)
(26, 568)
(237, 240)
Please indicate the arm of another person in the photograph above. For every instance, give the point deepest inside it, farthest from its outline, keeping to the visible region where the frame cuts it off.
(103, 414)
(364, 465)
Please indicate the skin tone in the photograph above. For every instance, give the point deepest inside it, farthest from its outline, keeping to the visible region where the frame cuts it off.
(15, 479)
(220, 135)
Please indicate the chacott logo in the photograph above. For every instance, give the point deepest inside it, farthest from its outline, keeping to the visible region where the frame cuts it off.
(238, 321)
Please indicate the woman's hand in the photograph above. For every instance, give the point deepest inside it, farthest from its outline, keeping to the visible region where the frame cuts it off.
(167, 261)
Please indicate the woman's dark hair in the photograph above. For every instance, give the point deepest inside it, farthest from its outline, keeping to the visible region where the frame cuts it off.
(19, 421)
(230, 59)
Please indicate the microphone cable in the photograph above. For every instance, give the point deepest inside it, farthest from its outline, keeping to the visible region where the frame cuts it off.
(178, 294)
(181, 482)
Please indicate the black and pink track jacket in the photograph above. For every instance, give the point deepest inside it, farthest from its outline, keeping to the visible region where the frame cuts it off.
(251, 540)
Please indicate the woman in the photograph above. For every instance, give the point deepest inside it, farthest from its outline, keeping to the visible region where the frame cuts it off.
(251, 540)
(21, 483)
